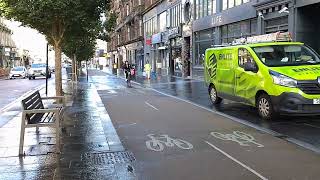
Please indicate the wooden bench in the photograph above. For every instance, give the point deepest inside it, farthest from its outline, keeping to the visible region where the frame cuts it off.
(34, 114)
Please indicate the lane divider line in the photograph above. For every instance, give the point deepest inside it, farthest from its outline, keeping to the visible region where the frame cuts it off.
(241, 121)
(237, 161)
(151, 106)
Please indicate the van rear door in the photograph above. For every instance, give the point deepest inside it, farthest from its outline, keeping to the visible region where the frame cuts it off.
(225, 71)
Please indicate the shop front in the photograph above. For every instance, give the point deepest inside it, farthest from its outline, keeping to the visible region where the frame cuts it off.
(135, 55)
(175, 51)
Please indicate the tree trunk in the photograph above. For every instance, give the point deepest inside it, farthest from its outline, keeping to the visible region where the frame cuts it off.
(58, 73)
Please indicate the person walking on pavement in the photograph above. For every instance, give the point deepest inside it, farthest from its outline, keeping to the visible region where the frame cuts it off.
(127, 70)
(147, 69)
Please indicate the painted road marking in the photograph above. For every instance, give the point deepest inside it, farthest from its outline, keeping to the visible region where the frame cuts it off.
(314, 126)
(244, 122)
(237, 161)
(151, 106)
(242, 138)
(158, 143)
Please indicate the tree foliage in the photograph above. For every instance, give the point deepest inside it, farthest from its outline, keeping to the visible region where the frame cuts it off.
(60, 21)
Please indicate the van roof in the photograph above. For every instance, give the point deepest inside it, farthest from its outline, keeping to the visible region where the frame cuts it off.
(256, 45)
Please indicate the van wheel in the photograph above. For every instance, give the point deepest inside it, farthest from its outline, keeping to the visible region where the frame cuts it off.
(213, 95)
(265, 107)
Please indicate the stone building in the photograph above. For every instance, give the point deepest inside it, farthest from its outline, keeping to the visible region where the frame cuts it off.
(7, 46)
(126, 42)
(167, 33)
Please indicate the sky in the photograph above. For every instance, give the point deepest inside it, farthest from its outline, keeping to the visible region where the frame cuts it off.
(29, 39)
(32, 40)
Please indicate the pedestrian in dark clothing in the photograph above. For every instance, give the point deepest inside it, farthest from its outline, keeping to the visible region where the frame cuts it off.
(127, 70)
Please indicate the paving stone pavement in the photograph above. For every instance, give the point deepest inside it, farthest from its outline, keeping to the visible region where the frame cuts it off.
(91, 148)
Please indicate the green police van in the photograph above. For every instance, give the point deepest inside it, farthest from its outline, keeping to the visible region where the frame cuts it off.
(270, 72)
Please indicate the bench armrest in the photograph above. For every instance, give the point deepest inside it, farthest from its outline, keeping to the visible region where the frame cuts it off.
(33, 111)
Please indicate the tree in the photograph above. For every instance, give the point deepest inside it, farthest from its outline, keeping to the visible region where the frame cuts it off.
(53, 18)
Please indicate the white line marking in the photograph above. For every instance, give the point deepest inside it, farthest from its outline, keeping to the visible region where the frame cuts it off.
(314, 126)
(241, 121)
(237, 161)
(151, 106)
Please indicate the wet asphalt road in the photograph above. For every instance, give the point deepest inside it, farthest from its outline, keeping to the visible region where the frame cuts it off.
(304, 129)
(12, 89)
(139, 114)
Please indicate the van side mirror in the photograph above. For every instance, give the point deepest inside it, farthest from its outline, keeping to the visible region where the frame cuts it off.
(249, 66)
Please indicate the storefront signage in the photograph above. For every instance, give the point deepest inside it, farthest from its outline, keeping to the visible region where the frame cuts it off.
(216, 20)
(174, 32)
(156, 38)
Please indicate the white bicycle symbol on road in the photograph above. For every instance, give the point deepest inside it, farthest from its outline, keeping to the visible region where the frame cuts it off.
(237, 136)
(158, 143)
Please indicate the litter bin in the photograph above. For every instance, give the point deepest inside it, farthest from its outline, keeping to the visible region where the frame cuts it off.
(101, 67)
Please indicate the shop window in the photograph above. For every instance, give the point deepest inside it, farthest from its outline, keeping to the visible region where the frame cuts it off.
(203, 40)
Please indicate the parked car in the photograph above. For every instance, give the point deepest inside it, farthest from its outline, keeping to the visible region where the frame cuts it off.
(38, 70)
(18, 72)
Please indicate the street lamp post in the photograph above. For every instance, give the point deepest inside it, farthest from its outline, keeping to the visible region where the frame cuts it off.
(47, 69)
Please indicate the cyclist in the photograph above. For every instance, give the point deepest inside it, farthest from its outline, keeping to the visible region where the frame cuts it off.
(127, 70)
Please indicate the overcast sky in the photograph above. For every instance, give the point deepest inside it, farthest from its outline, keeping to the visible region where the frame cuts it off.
(32, 40)
(27, 38)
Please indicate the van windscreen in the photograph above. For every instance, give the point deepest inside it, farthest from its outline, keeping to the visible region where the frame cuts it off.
(286, 55)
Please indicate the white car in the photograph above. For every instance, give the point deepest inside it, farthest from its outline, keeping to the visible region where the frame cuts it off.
(38, 70)
(18, 72)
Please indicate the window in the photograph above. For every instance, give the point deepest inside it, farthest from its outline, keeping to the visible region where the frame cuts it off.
(162, 22)
(244, 57)
(214, 6)
(203, 40)
(226, 4)
(128, 10)
(204, 8)
(237, 30)
(231, 3)
(176, 15)
(140, 28)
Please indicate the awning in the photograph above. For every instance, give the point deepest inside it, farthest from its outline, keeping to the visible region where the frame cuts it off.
(163, 47)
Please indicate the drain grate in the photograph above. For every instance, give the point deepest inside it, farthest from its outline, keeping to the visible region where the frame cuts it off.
(107, 158)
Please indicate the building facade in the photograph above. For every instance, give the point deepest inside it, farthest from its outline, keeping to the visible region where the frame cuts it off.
(221, 21)
(167, 37)
(7, 46)
(126, 42)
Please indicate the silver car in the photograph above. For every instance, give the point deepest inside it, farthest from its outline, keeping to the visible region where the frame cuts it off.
(18, 72)
(38, 70)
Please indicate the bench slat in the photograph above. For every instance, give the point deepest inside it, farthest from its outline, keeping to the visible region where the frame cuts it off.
(33, 102)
